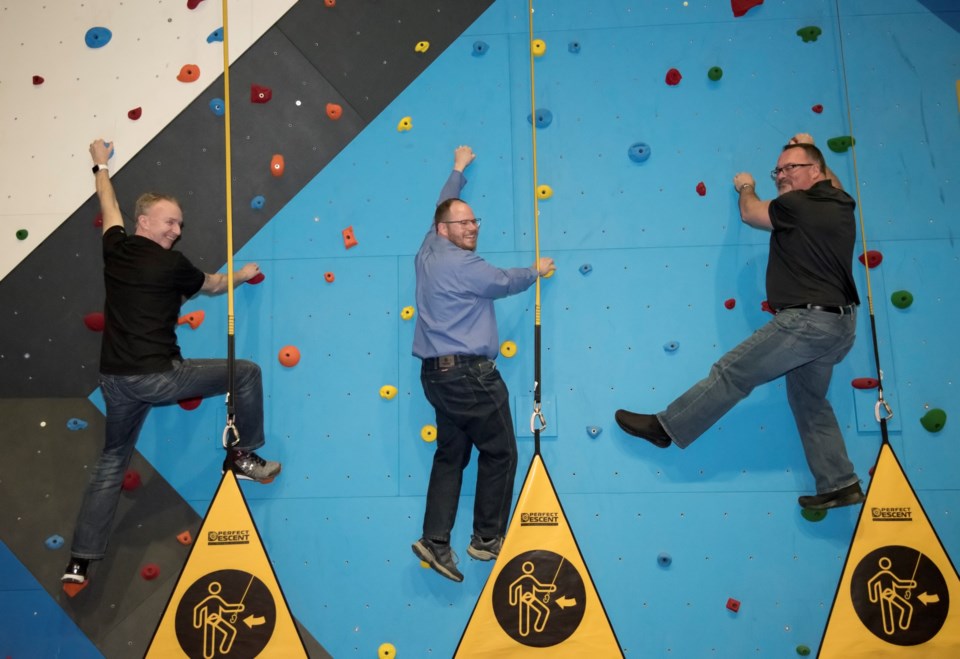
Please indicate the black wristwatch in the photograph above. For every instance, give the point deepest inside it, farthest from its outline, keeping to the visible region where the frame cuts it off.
(97, 168)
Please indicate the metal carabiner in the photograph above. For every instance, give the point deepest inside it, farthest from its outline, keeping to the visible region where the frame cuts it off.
(230, 428)
(886, 406)
(537, 415)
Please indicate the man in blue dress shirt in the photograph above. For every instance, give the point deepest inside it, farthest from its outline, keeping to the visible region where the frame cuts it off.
(456, 337)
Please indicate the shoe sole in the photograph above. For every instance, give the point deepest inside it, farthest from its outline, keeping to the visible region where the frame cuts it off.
(244, 477)
(72, 579)
(840, 502)
(481, 554)
(426, 556)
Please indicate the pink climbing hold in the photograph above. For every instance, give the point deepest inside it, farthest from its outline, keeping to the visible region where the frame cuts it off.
(730, 303)
(741, 7)
(701, 189)
(865, 383)
(873, 258)
(94, 321)
(260, 94)
(673, 77)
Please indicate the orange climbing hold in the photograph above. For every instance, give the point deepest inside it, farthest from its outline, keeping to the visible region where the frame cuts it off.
(71, 589)
(348, 238)
(189, 73)
(330, 3)
(873, 258)
(94, 321)
(194, 319)
(185, 538)
(277, 165)
(289, 356)
(334, 111)
(328, 277)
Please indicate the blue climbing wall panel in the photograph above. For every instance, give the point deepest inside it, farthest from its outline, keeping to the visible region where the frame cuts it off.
(664, 259)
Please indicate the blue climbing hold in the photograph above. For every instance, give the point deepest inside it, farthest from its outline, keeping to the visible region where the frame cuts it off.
(586, 269)
(76, 424)
(257, 202)
(594, 431)
(480, 48)
(574, 47)
(54, 542)
(216, 35)
(98, 37)
(217, 106)
(664, 560)
(544, 118)
(670, 346)
(639, 152)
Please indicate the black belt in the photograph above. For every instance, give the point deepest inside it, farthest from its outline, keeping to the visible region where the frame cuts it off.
(449, 361)
(845, 310)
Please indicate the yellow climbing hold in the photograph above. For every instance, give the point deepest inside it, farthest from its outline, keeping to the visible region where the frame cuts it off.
(387, 651)
(388, 391)
(407, 313)
(428, 433)
(508, 349)
(405, 124)
(544, 192)
(422, 46)
(538, 47)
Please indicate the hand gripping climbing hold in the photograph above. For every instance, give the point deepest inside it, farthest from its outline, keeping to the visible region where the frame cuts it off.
(256, 279)
(289, 356)
(189, 73)
(639, 152)
(508, 349)
(388, 392)
(901, 299)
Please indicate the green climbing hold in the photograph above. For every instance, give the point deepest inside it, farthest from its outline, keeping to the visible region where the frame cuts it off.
(813, 515)
(901, 299)
(22, 234)
(803, 650)
(809, 33)
(934, 420)
(840, 144)
(715, 73)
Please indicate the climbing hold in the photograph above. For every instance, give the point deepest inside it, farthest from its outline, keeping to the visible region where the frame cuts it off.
(549, 274)
(348, 238)
(639, 152)
(586, 269)
(98, 37)
(54, 542)
(94, 321)
(330, 3)
(192, 4)
(194, 319)
(131, 480)
(257, 278)
(803, 650)
(217, 107)
(809, 33)
(76, 424)
(260, 94)
(277, 165)
(508, 349)
(190, 404)
(185, 538)
(538, 47)
(150, 571)
(544, 192)
(189, 73)
(480, 48)
(733, 605)
(817, 108)
(701, 189)
(216, 35)
(329, 277)
(22, 234)
(901, 299)
(730, 303)
(386, 651)
(664, 560)
(673, 77)
(334, 111)
(405, 124)
(865, 383)
(38, 80)
(813, 515)
(741, 7)
(422, 47)
(671, 346)
(574, 47)
(594, 431)
(135, 113)
(289, 356)
(873, 258)
(257, 202)
(428, 433)
(714, 73)
(388, 392)
(765, 306)
(544, 118)
(407, 313)
(98, 220)
(934, 420)
(841, 144)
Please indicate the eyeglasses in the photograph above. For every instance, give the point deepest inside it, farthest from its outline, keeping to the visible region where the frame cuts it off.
(463, 223)
(787, 169)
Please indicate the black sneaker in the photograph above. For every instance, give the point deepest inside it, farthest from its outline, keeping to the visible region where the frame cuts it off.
(484, 550)
(646, 426)
(438, 556)
(845, 496)
(248, 466)
(76, 571)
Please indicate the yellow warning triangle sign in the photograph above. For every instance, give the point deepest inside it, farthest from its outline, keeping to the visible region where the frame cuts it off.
(227, 602)
(898, 584)
(539, 599)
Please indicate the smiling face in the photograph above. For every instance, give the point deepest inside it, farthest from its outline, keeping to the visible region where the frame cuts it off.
(161, 222)
(459, 226)
(797, 178)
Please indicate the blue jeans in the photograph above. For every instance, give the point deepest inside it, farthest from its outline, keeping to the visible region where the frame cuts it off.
(473, 409)
(802, 344)
(129, 399)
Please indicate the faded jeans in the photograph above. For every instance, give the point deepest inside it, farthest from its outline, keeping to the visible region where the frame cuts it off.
(128, 399)
(802, 344)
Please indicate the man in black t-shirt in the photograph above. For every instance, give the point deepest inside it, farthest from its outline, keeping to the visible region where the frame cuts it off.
(141, 366)
(811, 290)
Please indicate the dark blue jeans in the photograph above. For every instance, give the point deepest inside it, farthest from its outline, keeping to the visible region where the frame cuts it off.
(473, 409)
(129, 399)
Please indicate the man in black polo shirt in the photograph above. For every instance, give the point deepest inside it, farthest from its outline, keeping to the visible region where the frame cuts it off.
(146, 282)
(811, 289)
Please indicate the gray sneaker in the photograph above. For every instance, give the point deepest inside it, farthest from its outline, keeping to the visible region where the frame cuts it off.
(484, 550)
(439, 557)
(845, 496)
(248, 466)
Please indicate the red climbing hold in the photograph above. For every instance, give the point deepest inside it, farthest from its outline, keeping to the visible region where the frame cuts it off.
(189, 73)
(185, 538)
(328, 277)
(131, 480)
(865, 383)
(741, 7)
(38, 80)
(334, 111)
(673, 77)
(765, 306)
(98, 220)
(256, 279)
(194, 319)
(94, 321)
(260, 94)
(701, 189)
(135, 113)
(348, 238)
(192, 4)
(150, 571)
(190, 403)
(730, 304)
(817, 108)
(873, 258)
(733, 605)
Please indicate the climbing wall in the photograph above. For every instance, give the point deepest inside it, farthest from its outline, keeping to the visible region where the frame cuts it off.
(657, 277)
